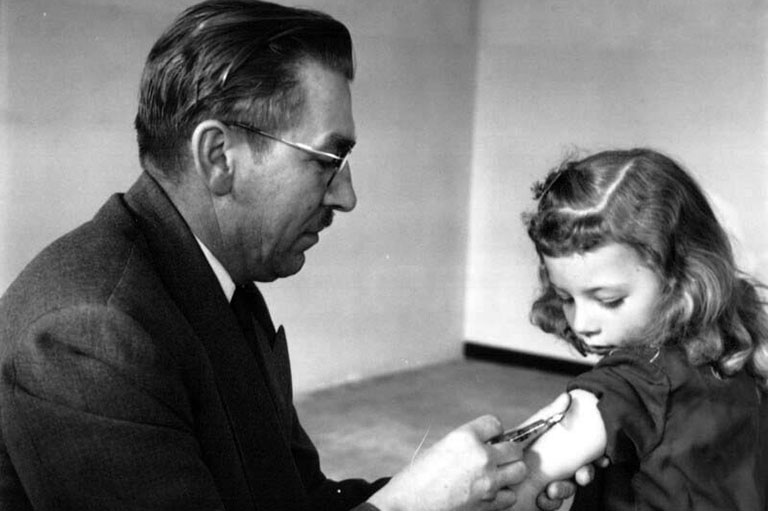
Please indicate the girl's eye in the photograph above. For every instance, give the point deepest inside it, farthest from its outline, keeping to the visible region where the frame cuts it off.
(612, 303)
(565, 299)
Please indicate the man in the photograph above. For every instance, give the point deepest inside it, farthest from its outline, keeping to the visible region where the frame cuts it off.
(140, 368)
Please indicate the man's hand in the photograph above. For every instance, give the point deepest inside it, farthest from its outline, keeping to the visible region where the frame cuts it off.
(553, 495)
(461, 472)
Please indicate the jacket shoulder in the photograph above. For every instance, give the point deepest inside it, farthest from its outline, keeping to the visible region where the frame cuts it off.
(84, 266)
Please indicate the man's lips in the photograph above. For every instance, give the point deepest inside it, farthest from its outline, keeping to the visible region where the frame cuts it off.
(312, 234)
(307, 239)
(327, 219)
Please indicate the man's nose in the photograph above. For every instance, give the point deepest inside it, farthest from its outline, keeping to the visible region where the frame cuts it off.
(340, 194)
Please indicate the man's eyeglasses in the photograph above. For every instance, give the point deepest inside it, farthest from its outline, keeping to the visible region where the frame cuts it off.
(338, 162)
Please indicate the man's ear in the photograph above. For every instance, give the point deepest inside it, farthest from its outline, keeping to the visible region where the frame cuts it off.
(209, 144)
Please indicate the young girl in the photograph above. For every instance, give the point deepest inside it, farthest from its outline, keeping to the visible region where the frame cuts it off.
(636, 268)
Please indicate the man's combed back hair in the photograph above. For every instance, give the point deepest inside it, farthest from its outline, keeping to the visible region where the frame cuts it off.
(645, 200)
(231, 60)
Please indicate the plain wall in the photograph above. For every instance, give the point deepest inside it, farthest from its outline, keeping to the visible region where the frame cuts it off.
(384, 290)
(685, 77)
(450, 96)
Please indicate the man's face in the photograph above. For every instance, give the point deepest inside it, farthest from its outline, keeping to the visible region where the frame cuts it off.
(280, 199)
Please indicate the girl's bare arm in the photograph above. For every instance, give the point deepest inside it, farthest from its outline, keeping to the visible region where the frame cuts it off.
(577, 440)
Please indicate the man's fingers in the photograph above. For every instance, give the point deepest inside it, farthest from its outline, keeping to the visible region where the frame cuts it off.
(585, 474)
(484, 428)
(504, 499)
(511, 474)
(555, 494)
(561, 490)
(603, 461)
(506, 452)
(547, 504)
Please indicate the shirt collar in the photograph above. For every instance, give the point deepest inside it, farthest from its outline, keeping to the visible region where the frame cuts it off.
(226, 282)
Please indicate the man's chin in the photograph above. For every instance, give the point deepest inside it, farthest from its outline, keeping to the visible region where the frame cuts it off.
(290, 265)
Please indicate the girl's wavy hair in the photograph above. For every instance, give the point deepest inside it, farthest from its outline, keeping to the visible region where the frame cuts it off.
(645, 200)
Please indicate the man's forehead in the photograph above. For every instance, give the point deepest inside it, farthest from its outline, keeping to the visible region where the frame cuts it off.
(327, 109)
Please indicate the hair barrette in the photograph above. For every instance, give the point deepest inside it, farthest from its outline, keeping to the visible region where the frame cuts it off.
(544, 188)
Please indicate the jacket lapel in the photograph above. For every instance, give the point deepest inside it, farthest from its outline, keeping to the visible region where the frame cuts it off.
(255, 426)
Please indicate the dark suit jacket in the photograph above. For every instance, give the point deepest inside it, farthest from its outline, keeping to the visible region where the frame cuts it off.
(126, 381)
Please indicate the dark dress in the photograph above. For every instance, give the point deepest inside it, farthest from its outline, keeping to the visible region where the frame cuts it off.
(678, 437)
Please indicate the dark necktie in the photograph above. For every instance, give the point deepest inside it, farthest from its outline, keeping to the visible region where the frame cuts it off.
(251, 310)
(249, 305)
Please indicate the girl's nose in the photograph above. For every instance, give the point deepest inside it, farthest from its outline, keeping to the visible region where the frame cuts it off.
(583, 322)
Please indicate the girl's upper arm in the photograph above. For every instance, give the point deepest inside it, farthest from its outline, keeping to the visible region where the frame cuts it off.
(577, 440)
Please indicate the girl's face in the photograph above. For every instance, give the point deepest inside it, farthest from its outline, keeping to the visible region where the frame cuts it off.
(608, 294)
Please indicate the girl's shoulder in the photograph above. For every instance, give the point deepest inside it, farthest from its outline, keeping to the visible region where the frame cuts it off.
(655, 358)
(633, 392)
(641, 371)
(648, 358)
(670, 367)
(630, 371)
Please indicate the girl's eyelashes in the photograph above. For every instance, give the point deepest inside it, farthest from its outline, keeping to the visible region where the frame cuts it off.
(608, 303)
(612, 303)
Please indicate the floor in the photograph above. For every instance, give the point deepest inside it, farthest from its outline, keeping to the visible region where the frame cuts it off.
(372, 428)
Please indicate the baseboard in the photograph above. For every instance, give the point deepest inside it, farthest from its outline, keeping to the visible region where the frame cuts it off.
(487, 353)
